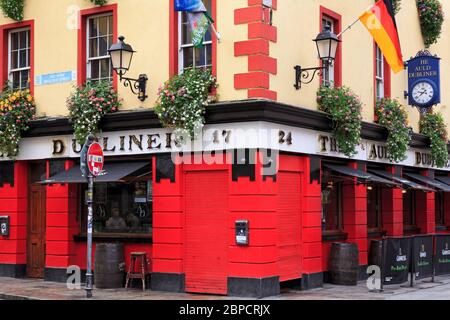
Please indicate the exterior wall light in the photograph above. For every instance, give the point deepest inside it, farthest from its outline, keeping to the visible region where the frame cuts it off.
(121, 56)
(327, 43)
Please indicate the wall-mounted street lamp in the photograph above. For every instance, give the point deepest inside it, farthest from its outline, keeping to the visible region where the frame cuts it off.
(121, 56)
(327, 43)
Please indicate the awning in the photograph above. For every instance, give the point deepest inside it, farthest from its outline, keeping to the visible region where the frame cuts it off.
(113, 172)
(443, 179)
(402, 180)
(360, 174)
(431, 182)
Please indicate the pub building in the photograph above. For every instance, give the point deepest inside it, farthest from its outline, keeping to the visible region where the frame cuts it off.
(186, 214)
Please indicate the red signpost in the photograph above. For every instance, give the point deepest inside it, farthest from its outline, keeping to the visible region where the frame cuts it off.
(95, 160)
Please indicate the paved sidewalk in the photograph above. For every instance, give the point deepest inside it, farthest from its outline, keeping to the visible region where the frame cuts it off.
(29, 289)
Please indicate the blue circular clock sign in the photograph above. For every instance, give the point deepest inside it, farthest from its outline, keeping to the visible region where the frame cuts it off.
(424, 84)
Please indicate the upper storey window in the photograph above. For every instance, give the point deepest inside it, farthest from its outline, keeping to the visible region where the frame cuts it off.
(99, 39)
(379, 75)
(328, 74)
(19, 61)
(191, 57)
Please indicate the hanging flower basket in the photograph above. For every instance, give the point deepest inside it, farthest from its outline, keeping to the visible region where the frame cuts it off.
(344, 108)
(397, 4)
(433, 126)
(88, 104)
(393, 116)
(431, 18)
(12, 9)
(17, 109)
(182, 100)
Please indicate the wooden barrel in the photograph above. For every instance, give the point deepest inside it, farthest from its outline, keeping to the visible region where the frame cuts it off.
(375, 252)
(109, 269)
(344, 264)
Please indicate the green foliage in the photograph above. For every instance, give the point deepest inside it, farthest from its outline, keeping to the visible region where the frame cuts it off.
(17, 109)
(433, 126)
(344, 108)
(99, 2)
(88, 104)
(393, 116)
(12, 9)
(431, 20)
(397, 4)
(182, 100)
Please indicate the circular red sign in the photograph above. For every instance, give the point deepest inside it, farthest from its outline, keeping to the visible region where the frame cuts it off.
(95, 159)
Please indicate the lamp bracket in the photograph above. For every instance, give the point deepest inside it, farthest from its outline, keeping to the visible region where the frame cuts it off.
(137, 86)
(306, 75)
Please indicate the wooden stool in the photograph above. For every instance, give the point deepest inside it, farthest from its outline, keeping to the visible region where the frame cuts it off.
(144, 269)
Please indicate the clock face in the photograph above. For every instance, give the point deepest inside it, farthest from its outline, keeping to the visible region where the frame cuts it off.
(423, 93)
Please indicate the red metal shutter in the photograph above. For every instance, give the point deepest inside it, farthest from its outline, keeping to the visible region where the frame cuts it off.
(206, 232)
(289, 226)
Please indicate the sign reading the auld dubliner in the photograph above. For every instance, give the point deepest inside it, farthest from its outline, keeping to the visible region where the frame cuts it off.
(424, 84)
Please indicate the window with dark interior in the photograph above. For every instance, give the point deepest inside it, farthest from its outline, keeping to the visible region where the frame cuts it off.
(122, 208)
(189, 56)
(19, 62)
(374, 208)
(99, 40)
(331, 203)
(409, 210)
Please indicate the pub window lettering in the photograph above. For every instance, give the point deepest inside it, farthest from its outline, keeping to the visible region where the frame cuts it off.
(189, 56)
(19, 65)
(99, 39)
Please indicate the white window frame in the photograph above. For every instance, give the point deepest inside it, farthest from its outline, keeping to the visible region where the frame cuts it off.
(328, 74)
(88, 37)
(10, 70)
(379, 74)
(181, 47)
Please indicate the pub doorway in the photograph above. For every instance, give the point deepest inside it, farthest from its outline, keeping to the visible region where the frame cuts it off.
(36, 220)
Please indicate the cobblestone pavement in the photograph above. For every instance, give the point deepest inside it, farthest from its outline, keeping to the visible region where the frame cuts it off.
(29, 289)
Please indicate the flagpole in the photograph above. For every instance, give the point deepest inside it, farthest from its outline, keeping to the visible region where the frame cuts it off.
(351, 25)
(348, 28)
(217, 33)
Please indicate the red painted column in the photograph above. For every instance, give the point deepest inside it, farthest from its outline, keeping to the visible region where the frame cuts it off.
(392, 209)
(425, 209)
(312, 217)
(257, 48)
(355, 216)
(168, 224)
(14, 203)
(61, 224)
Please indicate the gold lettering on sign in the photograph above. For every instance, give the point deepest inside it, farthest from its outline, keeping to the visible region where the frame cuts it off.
(323, 140)
(76, 147)
(58, 147)
(153, 140)
(136, 141)
(105, 145)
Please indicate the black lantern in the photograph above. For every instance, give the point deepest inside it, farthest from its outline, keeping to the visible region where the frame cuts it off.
(121, 57)
(327, 43)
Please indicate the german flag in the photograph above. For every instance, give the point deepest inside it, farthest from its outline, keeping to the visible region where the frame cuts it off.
(380, 21)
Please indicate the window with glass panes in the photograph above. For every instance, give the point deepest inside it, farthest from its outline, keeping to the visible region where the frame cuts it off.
(19, 58)
(189, 56)
(409, 209)
(379, 77)
(439, 198)
(374, 208)
(328, 73)
(99, 40)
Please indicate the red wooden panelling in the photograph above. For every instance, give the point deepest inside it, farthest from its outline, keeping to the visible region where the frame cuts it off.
(289, 225)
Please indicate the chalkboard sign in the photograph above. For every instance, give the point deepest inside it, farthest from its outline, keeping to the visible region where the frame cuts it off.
(396, 262)
(422, 257)
(442, 260)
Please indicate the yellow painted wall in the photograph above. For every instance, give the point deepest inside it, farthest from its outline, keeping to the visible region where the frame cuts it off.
(145, 24)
